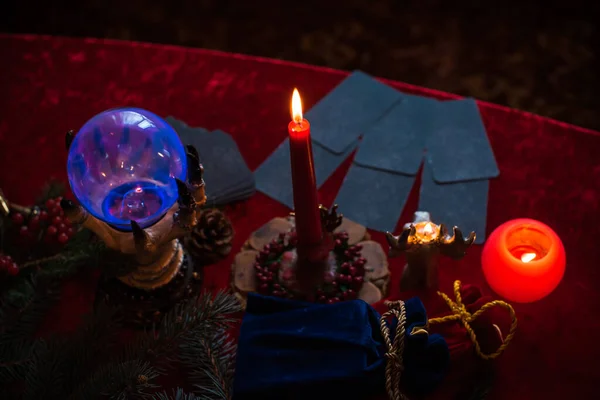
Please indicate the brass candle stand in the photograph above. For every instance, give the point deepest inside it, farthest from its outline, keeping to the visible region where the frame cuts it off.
(422, 242)
(354, 266)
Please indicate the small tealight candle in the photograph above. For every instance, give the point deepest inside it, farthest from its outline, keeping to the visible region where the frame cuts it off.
(523, 260)
(426, 232)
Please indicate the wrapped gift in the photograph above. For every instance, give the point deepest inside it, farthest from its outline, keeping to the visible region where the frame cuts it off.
(296, 350)
(476, 328)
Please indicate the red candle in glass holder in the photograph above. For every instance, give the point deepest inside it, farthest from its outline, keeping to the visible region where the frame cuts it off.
(306, 204)
(523, 260)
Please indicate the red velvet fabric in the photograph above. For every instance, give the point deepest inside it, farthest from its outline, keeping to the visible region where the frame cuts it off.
(549, 171)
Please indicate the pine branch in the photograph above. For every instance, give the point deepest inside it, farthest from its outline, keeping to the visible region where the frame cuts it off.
(63, 363)
(201, 317)
(82, 250)
(22, 314)
(176, 394)
(15, 358)
(91, 344)
(130, 379)
(210, 361)
(50, 190)
(80, 366)
(44, 378)
(22, 309)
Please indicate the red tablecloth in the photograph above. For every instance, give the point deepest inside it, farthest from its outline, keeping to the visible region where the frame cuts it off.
(549, 171)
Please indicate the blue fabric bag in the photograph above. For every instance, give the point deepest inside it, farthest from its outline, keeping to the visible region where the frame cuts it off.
(295, 350)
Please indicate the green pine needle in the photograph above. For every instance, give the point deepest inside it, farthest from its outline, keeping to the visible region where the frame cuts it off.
(91, 344)
(210, 362)
(81, 251)
(176, 394)
(122, 380)
(82, 365)
(202, 317)
(15, 357)
(50, 190)
(89, 363)
(45, 378)
(22, 314)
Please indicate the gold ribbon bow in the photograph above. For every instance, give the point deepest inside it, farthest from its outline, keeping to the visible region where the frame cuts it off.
(460, 313)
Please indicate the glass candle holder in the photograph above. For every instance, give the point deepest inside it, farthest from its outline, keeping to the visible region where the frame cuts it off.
(523, 260)
(122, 166)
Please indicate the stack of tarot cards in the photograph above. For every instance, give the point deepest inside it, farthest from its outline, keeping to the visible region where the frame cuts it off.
(226, 175)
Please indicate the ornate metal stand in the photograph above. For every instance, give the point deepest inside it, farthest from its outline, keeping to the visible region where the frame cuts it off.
(422, 242)
(246, 277)
(161, 273)
(143, 307)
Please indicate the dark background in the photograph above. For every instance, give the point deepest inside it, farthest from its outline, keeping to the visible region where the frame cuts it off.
(536, 56)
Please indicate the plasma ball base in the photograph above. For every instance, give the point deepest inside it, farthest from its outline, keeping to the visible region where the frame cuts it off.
(137, 201)
(141, 308)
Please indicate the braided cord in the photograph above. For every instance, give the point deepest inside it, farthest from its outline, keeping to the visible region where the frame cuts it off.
(460, 313)
(395, 348)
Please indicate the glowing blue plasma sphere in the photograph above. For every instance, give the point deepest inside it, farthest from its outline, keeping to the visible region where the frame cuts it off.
(122, 166)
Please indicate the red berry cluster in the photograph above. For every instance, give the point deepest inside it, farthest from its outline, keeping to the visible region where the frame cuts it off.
(49, 222)
(349, 276)
(7, 265)
(267, 266)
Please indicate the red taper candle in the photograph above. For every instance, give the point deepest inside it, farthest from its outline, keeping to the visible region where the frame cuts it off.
(306, 203)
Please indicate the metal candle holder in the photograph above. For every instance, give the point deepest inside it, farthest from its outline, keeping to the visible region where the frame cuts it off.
(268, 263)
(422, 242)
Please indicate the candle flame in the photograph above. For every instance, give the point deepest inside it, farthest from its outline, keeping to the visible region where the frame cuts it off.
(527, 257)
(428, 229)
(296, 107)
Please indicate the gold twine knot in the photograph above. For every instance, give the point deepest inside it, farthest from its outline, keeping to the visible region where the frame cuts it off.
(395, 348)
(460, 313)
(394, 358)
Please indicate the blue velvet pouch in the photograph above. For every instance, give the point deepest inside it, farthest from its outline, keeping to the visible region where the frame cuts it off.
(296, 350)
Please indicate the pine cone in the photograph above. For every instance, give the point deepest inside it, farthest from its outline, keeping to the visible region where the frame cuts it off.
(210, 241)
